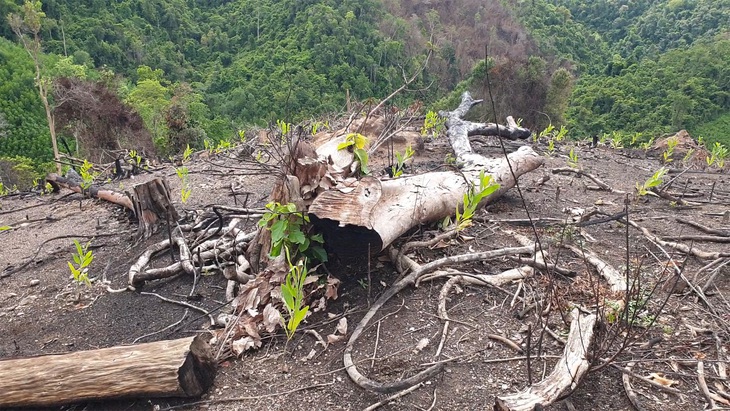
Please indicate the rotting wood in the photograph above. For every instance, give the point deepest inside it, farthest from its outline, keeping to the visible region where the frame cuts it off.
(566, 375)
(176, 368)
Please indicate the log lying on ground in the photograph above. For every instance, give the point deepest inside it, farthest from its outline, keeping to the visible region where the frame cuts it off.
(177, 368)
(368, 216)
(566, 375)
(74, 185)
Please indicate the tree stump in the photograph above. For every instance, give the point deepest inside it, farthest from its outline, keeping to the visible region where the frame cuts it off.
(177, 368)
(152, 205)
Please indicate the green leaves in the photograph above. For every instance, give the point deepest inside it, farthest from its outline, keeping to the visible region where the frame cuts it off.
(287, 232)
(472, 198)
(82, 259)
(654, 181)
(292, 293)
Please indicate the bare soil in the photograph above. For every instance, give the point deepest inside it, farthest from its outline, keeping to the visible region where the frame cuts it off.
(42, 311)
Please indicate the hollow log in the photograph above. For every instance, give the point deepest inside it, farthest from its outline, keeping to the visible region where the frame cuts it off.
(152, 205)
(177, 368)
(94, 192)
(368, 216)
(569, 370)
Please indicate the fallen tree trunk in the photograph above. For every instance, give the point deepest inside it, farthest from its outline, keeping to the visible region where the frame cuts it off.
(370, 215)
(177, 368)
(112, 196)
(566, 375)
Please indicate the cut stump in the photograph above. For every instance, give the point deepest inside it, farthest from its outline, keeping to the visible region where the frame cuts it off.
(152, 205)
(177, 368)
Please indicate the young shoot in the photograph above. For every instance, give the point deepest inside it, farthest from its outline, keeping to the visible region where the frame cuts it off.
(396, 170)
(654, 181)
(573, 159)
(667, 154)
(433, 124)
(87, 175)
(82, 259)
(292, 293)
(285, 224)
(472, 198)
(356, 142)
(182, 173)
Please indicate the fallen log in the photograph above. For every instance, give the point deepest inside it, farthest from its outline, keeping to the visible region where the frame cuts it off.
(177, 368)
(93, 191)
(368, 216)
(566, 375)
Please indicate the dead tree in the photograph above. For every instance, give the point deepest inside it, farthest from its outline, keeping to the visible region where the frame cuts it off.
(371, 214)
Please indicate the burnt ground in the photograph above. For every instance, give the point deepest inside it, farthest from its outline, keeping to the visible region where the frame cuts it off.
(42, 311)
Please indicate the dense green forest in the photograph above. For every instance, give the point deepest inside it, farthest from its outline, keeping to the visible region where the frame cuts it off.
(182, 71)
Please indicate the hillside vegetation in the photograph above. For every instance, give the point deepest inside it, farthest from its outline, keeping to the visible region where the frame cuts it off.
(204, 70)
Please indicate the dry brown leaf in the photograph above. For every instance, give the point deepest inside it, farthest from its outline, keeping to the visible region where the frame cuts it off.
(341, 326)
(243, 344)
(421, 345)
(272, 318)
(331, 339)
(332, 285)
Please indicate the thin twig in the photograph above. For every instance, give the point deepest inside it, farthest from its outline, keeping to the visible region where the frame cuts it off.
(182, 303)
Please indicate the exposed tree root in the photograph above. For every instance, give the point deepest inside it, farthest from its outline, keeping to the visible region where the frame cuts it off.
(613, 277)
(566, 375)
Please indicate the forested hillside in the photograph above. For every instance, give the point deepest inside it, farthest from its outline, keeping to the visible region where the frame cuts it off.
(196, 70)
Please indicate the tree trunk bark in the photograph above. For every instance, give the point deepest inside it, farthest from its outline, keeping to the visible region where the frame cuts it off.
(369, 216)
(152, 205)
(112, 196)
(177, 368)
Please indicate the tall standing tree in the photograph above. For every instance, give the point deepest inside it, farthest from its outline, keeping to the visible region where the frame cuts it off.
(27, 27)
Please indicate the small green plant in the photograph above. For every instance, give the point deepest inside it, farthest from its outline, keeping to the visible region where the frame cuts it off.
(472, 198)
(222, 146)
(688, 156)
(701, 141)
(551, 147)
(718, 155)
(433, 124)
(87, 175)
(319, 124)
(669, 152)
(548, 131)
(292, 293)
(356, 142)
(573, 159)
(634, 139)
(450, 159)
(646, 146)
(396, 170)
(242, 135)
(183, 173)
(82, 259)
(4, 190)
(284, 127)
(285, 224)
(617, 141)
(560, 136)
(654, 181)
(208, 146)
(136, 158)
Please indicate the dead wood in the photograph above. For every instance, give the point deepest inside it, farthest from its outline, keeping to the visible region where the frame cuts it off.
(705, 255)
(367, 215)
(705, 238)
(708, 230)
(152, 206)
(595, 179)
(612, 276)
(566, 375)
(177, 368)
(94, 192)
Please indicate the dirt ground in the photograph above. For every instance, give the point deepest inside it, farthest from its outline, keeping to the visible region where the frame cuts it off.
(42, 311)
